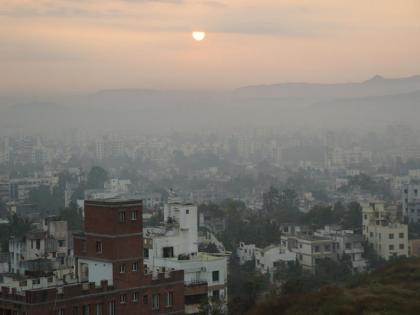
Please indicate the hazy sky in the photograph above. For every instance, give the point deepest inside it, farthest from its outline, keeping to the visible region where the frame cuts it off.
(95, 44)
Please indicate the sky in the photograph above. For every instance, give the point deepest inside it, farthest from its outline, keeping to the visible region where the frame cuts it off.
(88, 45)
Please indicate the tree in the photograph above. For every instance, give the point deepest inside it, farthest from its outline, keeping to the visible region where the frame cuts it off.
(353, 216)
(73, 216)
(96, 178)
(319, 216)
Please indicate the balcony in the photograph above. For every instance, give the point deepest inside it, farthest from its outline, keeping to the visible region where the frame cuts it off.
(196, 288)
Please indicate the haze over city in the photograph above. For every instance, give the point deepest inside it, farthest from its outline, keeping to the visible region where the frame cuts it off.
(209, 157)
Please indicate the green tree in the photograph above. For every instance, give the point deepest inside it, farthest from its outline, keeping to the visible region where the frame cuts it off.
(96, 178)
(73, 216)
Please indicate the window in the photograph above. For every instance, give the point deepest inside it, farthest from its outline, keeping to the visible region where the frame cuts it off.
(168, 252)
(327, 248)
(187, 211)
(348, 245)
(133, 215)
(401, 235)
(60, 311)
(146, 252)
(135, 297)
(155, 301)
(401, 246)
(36, 281)
(169, 299)
(391, 247)
(98, 309)
(121, 216)
(215, 276)
(316, 249)
(23, 283)
(391, 236)
(135, 267)
(61, 243)
(123, 268)
(371, 234)
(85, 310)
(123, 299)
(216, 294)
(111, 308)
(38, 244)
(145, 299)
(84, 247)
(98, 247)
(50, 279)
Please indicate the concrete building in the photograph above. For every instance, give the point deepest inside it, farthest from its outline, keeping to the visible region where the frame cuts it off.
(175, 246)
(45, 246)
(309, 249)
(110, 277)
(245, 252)
(348, 245)
(383, 232)
(410, 201)
(267, 259)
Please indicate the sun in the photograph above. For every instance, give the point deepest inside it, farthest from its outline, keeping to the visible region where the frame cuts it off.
(198, 36)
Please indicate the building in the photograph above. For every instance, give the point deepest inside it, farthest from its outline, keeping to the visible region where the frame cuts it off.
(245, 252)
(110, 275)
(309, 249)
(383, 232)
(410, 201)
(119, 186)
(46, 246)
(175, 246)
(348, 246)
(267, 259)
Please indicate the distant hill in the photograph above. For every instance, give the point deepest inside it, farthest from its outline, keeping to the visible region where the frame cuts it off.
(370, 104)
(373, 87)
(393, 289)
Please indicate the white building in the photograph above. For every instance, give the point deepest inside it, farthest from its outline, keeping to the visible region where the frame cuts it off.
(267, 259)
(309, 249)
(45, 247)
(347, 244)
(245, 252)
(383, 232)
(174, 246)
(118, 186)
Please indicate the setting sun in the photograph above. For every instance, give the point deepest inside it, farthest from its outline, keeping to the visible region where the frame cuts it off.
(198, 36)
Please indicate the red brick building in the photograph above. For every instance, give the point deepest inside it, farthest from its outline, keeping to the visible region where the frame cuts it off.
(109, 265)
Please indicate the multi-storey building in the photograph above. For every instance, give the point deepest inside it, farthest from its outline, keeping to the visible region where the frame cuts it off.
(110, 277)
(267, 259)
(383, 232)
(309, 249)
(411, 202)
(175, 246)
(348, 245)
(245, 252)
(46, 246)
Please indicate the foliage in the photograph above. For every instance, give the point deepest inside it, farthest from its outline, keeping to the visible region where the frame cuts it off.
(96, 178)
(73, 216)
(208, 248)
(17, 227)
(281, 206)
(245, 285)
(392, 289)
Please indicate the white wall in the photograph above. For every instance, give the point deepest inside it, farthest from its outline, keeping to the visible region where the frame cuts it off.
(98, 271)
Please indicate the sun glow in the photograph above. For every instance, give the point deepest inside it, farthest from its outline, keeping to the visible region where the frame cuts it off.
(198, 36)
